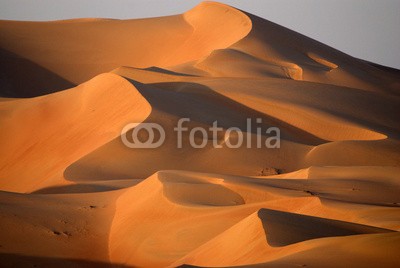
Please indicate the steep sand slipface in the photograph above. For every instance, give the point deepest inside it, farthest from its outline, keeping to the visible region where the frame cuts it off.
(13, 82)
(317, 108)
(215, 26)
(187, 222)
(172, 101)
(327, 197)
(186, 225)
(235, 63)
(322, 113)
(355, 153)
(298, 57)
(190, 225)
(107, 44)
(41, 136)
(268, 235)
(272, 42)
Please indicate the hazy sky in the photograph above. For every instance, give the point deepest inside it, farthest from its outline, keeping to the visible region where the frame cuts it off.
(368, 29)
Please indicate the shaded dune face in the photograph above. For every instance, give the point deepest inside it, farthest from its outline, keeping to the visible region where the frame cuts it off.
(306, 59)
(41, 81)
(272, 235)
(302, 228)
(73, 195)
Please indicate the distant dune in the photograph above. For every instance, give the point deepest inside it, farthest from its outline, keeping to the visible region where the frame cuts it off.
(73, 195)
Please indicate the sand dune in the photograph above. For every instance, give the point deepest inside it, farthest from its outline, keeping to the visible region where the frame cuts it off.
(58, 129)
(230, 206)
(73, 195)
(267, 235)
(101, 48)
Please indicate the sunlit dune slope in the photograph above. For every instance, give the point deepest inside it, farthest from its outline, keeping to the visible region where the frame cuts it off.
(196, 207)
(41, 136)
(267, 235)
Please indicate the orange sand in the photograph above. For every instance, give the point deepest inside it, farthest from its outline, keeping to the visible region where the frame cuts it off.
(73, 195)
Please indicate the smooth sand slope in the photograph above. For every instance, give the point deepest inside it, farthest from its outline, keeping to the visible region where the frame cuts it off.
(73, 195)
(43, 135)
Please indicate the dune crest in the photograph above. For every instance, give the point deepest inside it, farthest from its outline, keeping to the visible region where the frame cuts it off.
(74, 121)
(267, 235)
(228, 25)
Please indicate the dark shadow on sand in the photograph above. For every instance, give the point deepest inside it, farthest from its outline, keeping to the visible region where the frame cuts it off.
(22, 78)
(9, 260)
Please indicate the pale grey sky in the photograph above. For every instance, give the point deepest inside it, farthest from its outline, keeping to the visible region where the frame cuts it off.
(367, 29)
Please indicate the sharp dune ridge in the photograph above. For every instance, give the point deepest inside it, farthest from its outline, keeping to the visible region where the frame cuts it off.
(73, 195)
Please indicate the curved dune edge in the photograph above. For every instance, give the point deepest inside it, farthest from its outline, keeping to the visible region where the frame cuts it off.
(77, 121)
(229, 25)
(268, 47)
(268, 235)
(169, 104)
(198, 191)
(199, 224)
(329, 125)
(316, 121)
(166, 41)
(322, 61)
(130, 241)
(187, 39)
(230, 62)
(127, 163)
(355, 153)
(137, 239)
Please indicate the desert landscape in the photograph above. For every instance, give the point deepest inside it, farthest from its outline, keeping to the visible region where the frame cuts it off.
(74, 195)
